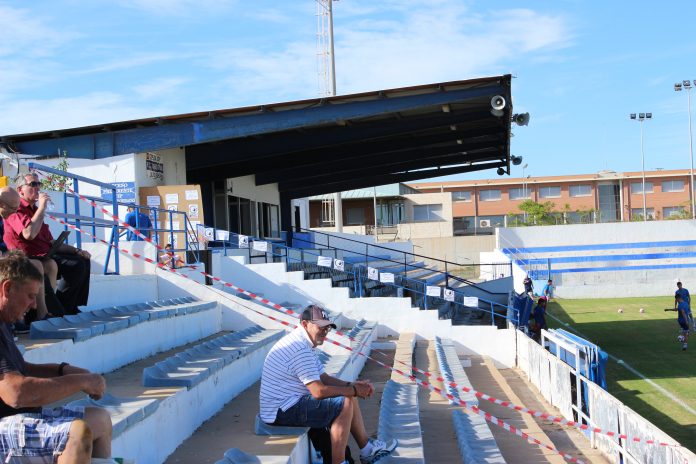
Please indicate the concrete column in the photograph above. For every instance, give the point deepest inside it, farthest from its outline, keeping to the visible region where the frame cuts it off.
(338, 212)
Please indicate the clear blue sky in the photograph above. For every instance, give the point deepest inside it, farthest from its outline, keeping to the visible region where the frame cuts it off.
(581, 66)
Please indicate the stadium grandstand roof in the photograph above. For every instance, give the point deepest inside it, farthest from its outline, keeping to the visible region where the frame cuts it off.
(318, 146)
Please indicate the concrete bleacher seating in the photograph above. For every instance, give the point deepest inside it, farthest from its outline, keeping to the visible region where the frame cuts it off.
(476, 442)
(124, 412)
(190, 367)
(106, 339)
(399, 418)
(89, 324)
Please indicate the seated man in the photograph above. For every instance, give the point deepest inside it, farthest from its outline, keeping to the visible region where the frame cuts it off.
(26, 427)
(171, 259)
(9, 202)
(295, 391)
(26, 230)
(139, 221)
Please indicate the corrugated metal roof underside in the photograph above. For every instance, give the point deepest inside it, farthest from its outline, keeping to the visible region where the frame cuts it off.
(319, 146)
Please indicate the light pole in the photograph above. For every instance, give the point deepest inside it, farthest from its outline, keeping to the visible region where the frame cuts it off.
(677, 87)
(642, 117)
(524, 190)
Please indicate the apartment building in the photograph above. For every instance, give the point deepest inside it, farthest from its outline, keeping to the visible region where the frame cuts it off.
(481, 205)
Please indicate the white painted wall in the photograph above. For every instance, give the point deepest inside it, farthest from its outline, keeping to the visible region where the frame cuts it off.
(246, 187)
(303, 203)
(606, 284)
(174, 161)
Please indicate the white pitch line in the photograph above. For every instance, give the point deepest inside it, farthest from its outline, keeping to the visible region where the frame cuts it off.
(630, 368)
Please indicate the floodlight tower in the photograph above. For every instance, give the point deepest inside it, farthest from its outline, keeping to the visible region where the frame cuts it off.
(641, 118)
(677, 87)
(326, 63)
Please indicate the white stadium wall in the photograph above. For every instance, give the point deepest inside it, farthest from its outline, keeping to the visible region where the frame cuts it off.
(605, 260)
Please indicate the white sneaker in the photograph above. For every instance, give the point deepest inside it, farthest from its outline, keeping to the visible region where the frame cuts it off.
(380, 450)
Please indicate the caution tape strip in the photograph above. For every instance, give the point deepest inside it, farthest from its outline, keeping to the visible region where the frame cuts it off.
(266, 302)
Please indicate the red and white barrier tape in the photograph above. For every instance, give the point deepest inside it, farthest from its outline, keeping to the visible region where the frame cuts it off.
(266, 302)
(485, 415)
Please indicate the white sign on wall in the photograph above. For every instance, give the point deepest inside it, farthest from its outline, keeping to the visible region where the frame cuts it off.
(154, 167)
(386, 277)
(449, 294)
(243, 241)
(372, 273)
(324, 261)
(471, 301)
(432, 290)
(259, 245)
(339, 265)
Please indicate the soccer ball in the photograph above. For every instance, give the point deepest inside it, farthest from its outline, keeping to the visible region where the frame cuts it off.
(680, 338)
(620, 310)
(641, 310)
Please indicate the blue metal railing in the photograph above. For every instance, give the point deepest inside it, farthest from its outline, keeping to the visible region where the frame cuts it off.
(354, 276)
(92, 221)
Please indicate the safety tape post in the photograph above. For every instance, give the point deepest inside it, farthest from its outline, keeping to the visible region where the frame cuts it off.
(280, 308)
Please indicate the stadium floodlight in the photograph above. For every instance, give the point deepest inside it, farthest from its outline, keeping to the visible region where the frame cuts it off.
(500, 171)
(641, 118)
(686, 84)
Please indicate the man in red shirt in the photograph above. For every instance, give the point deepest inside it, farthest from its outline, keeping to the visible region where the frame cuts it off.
(26, 230)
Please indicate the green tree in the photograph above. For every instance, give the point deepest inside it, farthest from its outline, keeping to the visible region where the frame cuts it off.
(538, 213)
(57, 182)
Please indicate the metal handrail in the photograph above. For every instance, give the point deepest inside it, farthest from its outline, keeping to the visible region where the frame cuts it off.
(93, 221)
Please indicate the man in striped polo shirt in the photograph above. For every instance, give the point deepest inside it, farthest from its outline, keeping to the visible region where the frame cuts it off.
(295, 391)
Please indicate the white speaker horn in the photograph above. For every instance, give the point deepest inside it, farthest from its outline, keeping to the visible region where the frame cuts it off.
(498, 102)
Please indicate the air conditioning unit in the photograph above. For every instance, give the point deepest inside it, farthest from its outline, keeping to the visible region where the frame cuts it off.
(485, 223)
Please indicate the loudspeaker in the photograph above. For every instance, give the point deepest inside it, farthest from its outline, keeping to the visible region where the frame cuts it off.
(521, 119)
(498, 102)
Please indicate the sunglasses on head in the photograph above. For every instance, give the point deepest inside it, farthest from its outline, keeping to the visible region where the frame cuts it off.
(35, 183)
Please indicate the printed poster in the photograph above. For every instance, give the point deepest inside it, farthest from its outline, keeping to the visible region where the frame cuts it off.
(339, 265)
(324, 261)
(372, 273)
(243, 241)
(449, 294)
(386, 277)
(191, 195)
(153, 200)
(222, 235)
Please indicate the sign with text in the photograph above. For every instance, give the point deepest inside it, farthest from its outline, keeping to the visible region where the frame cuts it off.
(386, 277)
(125, 192)
(339, 265)
(471, 301)
(449, 294)
(260, 245)
(154, 168)
(372, 273)
(324, 261)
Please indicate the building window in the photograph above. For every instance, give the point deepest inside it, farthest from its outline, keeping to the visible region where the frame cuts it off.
(637, 188)
(673, 186)
(488, 223)
(549, 192)
(426, 213)
(673, 212)
(580, 190)
(463, 225)
(518, 193)
(461, 196)
(637, 214)
(355, 216)
(489, 195)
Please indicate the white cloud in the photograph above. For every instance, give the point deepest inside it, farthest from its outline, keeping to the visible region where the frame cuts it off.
(60, 113)
(159, 87)
(25, 34)
(178, 7)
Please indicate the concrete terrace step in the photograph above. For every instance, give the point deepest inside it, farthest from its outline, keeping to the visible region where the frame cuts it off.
(194, 365)
(234, 427)
(107, 339)
(476, 442)
(167, 415)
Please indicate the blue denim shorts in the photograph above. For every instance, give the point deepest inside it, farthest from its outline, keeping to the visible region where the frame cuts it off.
(310, 412)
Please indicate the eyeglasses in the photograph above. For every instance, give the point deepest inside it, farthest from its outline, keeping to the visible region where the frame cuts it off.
(34, 184)
(326, 329)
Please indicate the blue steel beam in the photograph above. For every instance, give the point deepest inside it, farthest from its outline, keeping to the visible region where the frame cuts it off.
(103, 145)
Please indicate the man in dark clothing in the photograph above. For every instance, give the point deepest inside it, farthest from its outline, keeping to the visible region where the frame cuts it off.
(528, 286)
(27, 428)
(26, 230)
